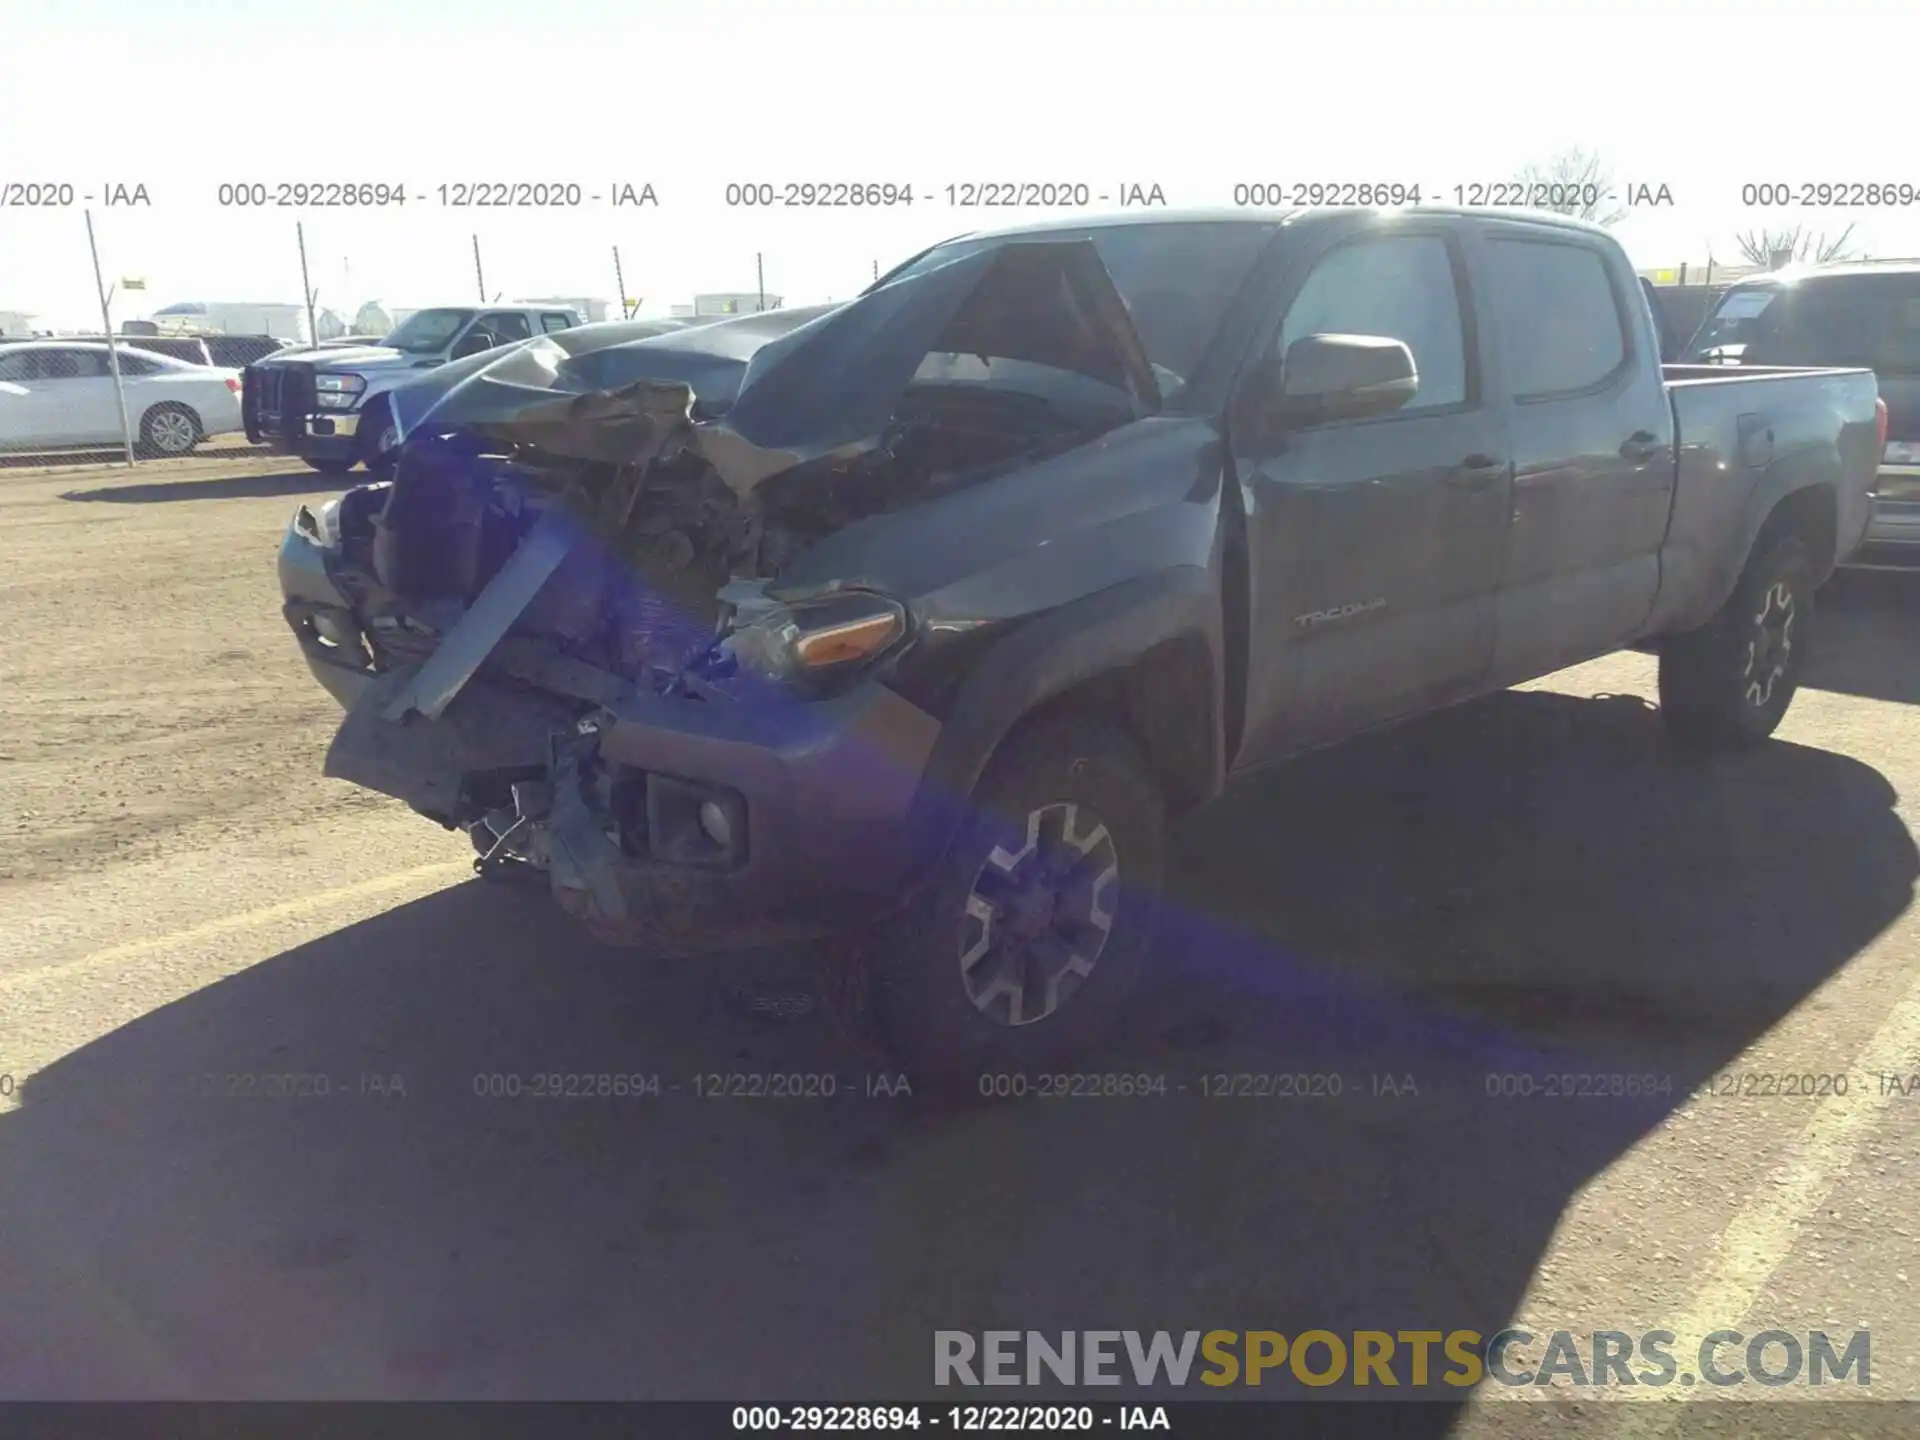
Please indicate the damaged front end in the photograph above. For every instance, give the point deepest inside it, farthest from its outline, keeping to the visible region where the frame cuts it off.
(568, 623)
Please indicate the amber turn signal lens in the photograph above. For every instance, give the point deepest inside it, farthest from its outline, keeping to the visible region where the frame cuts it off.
(849, 640)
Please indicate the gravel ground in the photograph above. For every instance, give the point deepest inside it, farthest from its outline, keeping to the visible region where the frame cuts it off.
(1531, 886)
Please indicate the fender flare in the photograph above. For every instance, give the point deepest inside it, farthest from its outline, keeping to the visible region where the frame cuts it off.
(1050, 655)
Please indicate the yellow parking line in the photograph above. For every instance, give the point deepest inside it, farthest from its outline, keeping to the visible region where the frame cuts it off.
(298, 909)
(1761, 1235)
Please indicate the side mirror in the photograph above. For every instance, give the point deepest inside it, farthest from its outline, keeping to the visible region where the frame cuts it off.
(473, 342)
(1342, 377)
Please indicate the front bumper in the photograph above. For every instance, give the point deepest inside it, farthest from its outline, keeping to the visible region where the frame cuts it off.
(279, 408)
(825, 793)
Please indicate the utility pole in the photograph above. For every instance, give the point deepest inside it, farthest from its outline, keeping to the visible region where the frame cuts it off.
(306, 289)
(760, 276)
(478, 278)
(113, 351)
(620, 281)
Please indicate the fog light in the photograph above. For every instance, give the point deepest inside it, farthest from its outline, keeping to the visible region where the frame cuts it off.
(715, 824)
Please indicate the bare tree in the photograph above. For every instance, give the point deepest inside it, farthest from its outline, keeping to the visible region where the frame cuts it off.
(1796, 244)
(1576, 182)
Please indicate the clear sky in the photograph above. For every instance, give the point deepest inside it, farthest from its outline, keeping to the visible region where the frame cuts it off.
(185, 95)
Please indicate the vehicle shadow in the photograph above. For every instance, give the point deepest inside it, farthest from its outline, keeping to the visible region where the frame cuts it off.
(1868, 637)
(1528, 885)
(223, 487)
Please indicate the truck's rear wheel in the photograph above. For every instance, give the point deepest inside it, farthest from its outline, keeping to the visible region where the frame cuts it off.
(1728, 684)
(1026, 943)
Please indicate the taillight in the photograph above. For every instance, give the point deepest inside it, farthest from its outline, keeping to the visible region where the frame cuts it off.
(233, 384)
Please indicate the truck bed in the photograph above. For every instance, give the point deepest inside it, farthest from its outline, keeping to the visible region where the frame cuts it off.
(1744, 437)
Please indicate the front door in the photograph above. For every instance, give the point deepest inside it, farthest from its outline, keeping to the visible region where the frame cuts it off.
(1374, 545)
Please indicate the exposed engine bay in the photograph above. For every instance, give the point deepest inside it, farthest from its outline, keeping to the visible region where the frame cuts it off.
(663, 539)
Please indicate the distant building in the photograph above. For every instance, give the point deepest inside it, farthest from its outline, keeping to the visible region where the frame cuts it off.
(189, 317)
(738, 302)
(370, 319)
(17, 324)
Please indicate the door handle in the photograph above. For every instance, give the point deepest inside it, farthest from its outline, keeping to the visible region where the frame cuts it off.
(1641, 446)
(1476, 472)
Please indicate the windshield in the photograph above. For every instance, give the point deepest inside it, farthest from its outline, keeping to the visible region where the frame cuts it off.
(428, 332)
(1176, 281)
(1867, 320)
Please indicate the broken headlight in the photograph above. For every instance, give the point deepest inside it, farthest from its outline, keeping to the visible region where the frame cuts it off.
(816, 643)
(321, 526)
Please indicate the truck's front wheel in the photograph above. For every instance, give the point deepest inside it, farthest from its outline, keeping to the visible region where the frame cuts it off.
(1727, 685)
(1027, 942)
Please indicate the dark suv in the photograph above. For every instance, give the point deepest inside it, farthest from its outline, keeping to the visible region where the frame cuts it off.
(1863, 314)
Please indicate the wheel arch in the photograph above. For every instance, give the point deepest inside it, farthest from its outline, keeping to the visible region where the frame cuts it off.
(1145, 656)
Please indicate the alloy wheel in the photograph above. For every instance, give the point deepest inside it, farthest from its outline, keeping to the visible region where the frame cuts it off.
(171, 432)
(1038, 918)
(1771, 645)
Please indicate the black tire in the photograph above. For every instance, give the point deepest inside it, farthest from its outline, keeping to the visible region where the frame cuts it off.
(376, 424)
(1727, 685)
(1081, 786)
(169, 430)
(329, 464)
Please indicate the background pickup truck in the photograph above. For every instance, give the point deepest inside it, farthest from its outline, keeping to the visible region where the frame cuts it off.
(325, 403)
(904, 625)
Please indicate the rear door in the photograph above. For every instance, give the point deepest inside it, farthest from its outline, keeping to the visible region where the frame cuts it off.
(1592, 434)
(1374, 545)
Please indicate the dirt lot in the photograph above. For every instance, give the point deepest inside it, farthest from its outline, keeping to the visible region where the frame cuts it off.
(1531, 886)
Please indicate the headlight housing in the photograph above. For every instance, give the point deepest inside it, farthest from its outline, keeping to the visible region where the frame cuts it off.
(339, 392)
(321, 526)
(816, 644)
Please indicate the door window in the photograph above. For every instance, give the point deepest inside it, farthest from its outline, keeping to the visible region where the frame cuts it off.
(73, 365)
(1560, 321)
(552, 322)
(507, 326)
(1401, 287)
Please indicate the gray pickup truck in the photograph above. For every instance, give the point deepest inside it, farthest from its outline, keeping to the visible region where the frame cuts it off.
(903, 626)
(328, 403)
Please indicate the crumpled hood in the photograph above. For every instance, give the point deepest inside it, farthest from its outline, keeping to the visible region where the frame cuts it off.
(763, 393)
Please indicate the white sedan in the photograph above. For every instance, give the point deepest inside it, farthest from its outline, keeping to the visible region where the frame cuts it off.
(57, 393)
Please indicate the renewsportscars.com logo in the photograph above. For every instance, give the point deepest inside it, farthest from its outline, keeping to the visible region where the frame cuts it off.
(1398, 1358)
